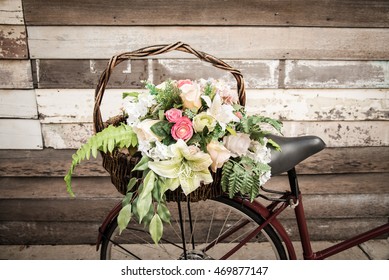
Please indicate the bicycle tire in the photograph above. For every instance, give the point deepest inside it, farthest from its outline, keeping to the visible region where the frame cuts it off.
(211, 219)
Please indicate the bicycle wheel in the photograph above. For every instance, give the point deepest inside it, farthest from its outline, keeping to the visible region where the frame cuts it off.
(210, 230)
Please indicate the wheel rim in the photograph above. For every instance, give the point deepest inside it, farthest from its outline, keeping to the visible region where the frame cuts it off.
(217, 227)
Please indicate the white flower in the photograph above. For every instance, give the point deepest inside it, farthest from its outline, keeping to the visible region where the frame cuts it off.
(137, 107)
(264, 178)
(223, 113)
(259, 152)
(160, 152)
(237, 144)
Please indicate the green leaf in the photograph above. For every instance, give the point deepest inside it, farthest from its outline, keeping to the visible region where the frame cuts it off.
(130, 94)
(163, 212)
(148, 184)
(142, 165)
(156, 228)
(143, 206)
(162, 129)
(124, 217)
(131, 184)
(105, 140)
(274, 144)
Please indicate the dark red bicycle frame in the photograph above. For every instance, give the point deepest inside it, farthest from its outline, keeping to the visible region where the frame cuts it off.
(294, 199)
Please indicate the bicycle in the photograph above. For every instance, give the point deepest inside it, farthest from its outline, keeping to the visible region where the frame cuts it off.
(219, 227)
(247, 230)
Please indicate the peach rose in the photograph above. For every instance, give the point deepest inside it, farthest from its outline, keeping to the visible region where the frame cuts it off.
(219, 154)
(190, 95)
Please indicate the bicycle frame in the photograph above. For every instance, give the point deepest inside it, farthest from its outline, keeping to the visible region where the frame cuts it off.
(294, 199)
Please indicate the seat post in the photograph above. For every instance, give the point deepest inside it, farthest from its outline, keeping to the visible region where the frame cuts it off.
(300, 216)
(293, 183)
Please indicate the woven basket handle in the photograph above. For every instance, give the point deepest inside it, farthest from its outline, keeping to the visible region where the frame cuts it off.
(156, 50)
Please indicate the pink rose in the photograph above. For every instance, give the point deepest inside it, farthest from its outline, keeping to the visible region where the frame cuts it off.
(173, 115)
(182, 129)
(180, 83)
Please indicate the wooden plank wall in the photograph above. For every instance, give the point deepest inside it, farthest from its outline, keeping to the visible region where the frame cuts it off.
(320, 66)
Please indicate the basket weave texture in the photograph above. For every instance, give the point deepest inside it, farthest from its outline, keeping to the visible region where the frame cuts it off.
(119, 164)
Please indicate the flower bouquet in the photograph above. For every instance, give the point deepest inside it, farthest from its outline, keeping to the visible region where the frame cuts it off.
(183, 133)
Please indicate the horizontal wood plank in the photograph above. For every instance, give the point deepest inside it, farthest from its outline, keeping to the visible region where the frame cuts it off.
(15, 74)
(360, 13)
(57, 233)
(11, 12)
(50, 162)
(334, 134)
(257, 73)
(85, 73)
(20, 134)
(13, 42)
(336, 74)
(76, 105)
(64, 42)
(101, 187)
(18, 104)
(84, 210)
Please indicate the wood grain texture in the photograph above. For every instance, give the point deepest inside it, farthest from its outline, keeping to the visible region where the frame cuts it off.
(50, 162)
(336, 74)
(258, 74)
(66, 42)
(85, 73)
(18, 104)
(20, 134)
(11, 12)
(333, 133)
(360, 13)
(13, 42)
(45, 187)
(15, 74)
(76, 105)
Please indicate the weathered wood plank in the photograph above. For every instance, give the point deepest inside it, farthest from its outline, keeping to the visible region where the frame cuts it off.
(71, 73)
(336, 74)
(13, 42)
(11, 12)
(85, 73)
(101, 187)
(334, 134)
(57, 233)
(50, 162)
(20, 134)
(15, 74)
(76, 105)
(343, 133)
(18, 104)
(257, 73)
(64, 42)
(360, 13)
(320, 104)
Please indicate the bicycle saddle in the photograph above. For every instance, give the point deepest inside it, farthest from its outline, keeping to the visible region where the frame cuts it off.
(293, 151)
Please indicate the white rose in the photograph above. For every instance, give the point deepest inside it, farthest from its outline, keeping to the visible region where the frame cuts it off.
(237, 144)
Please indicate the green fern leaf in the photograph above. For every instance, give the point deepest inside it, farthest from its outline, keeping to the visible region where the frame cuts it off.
(107, 140)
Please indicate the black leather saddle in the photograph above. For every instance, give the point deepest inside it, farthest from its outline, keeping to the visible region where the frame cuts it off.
(293, 151)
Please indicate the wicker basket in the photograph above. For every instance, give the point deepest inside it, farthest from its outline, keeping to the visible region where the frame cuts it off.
(119, 164)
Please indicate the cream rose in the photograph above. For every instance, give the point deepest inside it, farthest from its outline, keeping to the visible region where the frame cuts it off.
(143, 131)
(191, 95)
(203, 120)
(219, 154)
